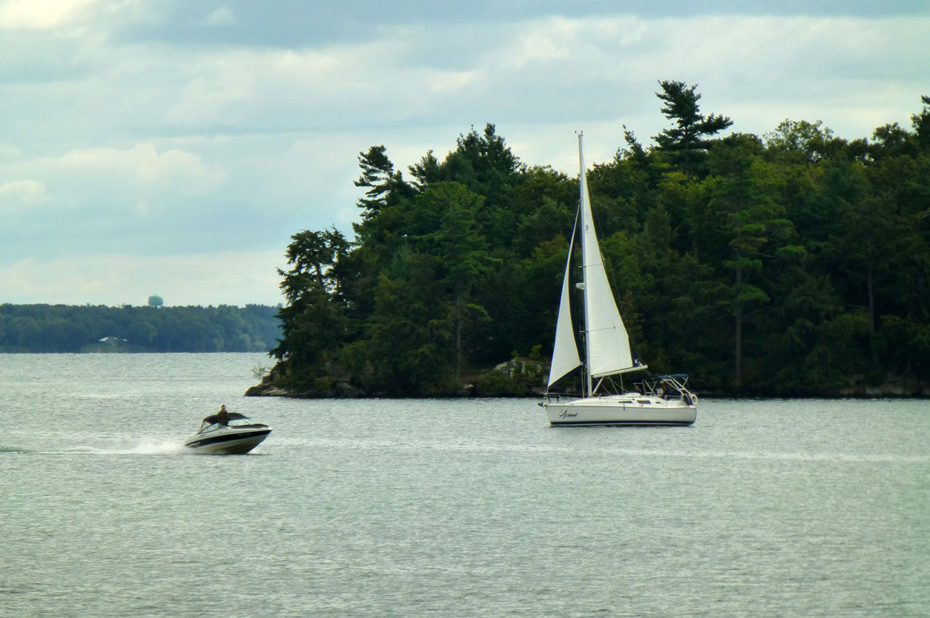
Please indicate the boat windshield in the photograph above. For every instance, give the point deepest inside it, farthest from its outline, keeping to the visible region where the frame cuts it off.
(240, 422)
(211, 423)
(208, 426)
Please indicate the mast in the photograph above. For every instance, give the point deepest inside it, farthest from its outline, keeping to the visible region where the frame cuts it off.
(607, 344)
(583, 197)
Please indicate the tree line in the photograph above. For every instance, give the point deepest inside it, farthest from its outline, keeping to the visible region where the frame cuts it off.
(68, 328)
(796, 262)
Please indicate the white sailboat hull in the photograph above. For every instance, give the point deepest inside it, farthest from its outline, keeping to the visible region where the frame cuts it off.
(624, 409)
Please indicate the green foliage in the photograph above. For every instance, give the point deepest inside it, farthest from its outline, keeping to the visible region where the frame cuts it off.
(686, 142)
(797, 263)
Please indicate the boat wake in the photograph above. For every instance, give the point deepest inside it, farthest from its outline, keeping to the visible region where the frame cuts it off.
(835, 457)
(144, 447)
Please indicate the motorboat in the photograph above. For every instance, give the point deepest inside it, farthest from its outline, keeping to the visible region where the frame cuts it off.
(234, 435)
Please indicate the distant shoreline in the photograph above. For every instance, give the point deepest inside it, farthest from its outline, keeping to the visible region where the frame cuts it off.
(41, 329)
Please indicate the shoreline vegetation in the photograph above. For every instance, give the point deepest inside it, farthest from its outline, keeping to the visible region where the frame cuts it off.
(791, 264)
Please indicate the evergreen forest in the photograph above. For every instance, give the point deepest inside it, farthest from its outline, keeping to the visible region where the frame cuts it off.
(70, 328)
(791, 263)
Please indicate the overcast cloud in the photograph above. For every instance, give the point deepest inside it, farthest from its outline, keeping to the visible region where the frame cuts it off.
(173, 147)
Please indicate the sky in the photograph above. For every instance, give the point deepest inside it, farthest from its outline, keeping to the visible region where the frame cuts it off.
(173, 147)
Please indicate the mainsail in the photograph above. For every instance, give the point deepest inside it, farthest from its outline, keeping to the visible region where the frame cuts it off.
(607, 344)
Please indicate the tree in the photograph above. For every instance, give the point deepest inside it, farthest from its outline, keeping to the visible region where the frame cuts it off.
(314, 256)
(686, 141)
(384, 186)
(750, 221)
(406, 342)
(461, 252)
(314, 322)
(921, 123)
(482, 162)
(800, 141)
(857, 245)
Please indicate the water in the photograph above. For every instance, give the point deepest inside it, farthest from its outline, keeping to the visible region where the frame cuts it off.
(446, 508)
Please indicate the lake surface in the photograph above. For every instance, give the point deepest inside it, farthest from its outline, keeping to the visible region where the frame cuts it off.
(446, 508)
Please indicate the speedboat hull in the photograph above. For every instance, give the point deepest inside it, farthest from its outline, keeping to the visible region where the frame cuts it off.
(620, 410)
(228, 441)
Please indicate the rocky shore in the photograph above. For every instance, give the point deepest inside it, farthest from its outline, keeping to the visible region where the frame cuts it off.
(518, 377)
(526, 377)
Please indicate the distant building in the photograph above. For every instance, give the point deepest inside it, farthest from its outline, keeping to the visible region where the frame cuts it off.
(111, 341)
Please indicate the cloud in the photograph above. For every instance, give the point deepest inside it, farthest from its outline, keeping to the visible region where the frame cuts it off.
(19, 194)
(758, 70)
(220, 18)
(579, 41)
(145, 167)
(41, 14)
(145, 198)
(168, 127)
(233, 278)
(275, 90)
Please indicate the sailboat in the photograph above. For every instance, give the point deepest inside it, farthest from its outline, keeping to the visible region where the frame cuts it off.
(664, 400)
